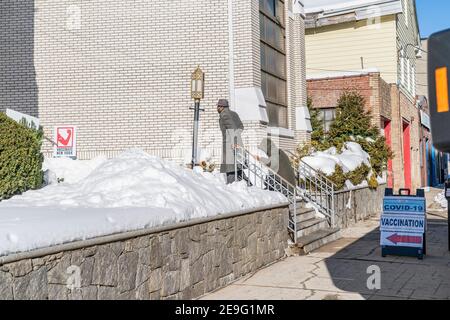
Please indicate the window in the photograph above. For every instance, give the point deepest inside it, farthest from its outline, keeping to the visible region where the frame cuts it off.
(413, 81)
(273, 61)
(327, 116)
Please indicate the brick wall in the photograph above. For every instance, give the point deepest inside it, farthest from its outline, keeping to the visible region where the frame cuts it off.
(120, 70)
(296, 72)
(18, 87)
(385, 102)
(326, 92)
(404, 110)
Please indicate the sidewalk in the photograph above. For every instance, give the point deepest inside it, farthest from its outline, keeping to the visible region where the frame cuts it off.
(338, 271)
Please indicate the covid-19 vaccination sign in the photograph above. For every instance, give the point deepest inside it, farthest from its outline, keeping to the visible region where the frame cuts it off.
(403, 222)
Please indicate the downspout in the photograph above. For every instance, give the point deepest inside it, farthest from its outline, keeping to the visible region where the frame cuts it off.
(231, 56)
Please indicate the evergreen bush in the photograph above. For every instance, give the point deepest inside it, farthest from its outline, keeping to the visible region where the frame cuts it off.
(20, 158)
(352, 123)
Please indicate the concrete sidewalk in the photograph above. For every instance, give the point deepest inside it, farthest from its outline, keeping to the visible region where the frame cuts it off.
(338, 271)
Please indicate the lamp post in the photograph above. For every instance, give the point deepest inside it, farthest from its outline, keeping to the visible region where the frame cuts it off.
(197, 93)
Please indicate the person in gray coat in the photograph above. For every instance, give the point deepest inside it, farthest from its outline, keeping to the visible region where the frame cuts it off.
(278, 161)
(231, 127)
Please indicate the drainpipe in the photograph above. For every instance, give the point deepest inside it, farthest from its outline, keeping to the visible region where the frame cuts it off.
(231, 56)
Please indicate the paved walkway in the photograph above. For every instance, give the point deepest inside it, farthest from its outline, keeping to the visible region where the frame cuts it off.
(338, 271)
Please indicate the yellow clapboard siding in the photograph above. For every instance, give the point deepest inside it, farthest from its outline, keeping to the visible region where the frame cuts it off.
(341, 46)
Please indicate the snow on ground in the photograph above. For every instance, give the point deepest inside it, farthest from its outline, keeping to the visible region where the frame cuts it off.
(351, 157)
(69, 170)
(130, 192)
(441, 200)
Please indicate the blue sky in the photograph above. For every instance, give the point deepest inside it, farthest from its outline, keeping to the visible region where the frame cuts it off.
(434, 15)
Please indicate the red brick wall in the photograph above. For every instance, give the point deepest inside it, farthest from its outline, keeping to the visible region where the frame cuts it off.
(384, 101)
(325, 93)
(404, 109)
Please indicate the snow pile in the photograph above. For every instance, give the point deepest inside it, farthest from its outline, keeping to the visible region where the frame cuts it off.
(351, 157)
(69, 170)
(441, 200)
(130, 192)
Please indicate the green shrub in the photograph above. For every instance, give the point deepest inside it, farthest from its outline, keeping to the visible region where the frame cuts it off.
(352, 123)
(20, 158)
(358, 175)
(373, 182)
(338, 177)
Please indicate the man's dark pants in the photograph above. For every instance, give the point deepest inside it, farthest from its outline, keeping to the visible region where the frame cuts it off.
(231, 177)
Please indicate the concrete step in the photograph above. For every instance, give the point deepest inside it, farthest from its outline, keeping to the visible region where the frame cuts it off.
(306, 215)
(300, 205)
(318, 239)
(301, 209)
(307, 227)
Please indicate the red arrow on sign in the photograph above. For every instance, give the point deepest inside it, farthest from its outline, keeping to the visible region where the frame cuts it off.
(395, 238)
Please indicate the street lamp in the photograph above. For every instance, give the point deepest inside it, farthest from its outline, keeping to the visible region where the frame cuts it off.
(197, 93)
(417, 49)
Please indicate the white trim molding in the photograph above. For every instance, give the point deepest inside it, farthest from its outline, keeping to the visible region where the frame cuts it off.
(251, 105)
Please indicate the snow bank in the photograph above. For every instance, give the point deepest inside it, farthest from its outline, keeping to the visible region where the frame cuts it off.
(69, 170)
(133, 191)
(441, 200)
(351, 157)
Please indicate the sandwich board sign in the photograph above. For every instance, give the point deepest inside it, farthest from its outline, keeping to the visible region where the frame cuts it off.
(403, 224)
(65, 138)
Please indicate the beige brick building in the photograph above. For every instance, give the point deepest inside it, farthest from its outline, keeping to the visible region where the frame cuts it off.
(120, 70)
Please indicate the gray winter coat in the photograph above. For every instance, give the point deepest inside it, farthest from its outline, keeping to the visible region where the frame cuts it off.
(278, 161)
(231, 127)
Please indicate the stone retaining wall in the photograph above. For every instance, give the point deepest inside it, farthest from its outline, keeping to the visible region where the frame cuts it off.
(358, 205)
(178, 263)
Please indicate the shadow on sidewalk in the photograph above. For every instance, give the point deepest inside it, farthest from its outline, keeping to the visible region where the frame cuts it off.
(401, 277)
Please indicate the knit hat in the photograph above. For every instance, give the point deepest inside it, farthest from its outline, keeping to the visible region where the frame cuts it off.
(223, 103)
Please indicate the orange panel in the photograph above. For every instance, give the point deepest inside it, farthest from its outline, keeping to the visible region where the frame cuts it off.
(442, 90)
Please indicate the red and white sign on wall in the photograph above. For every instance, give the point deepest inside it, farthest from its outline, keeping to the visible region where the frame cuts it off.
(65, 138)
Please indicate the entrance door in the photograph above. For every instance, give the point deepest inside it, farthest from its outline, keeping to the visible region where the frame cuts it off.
(407, 154)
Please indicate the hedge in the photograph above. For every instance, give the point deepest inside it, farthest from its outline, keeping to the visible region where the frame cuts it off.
(20, 158)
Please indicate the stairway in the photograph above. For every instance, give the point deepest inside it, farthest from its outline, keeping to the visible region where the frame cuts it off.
(307, 230)
(313, 232)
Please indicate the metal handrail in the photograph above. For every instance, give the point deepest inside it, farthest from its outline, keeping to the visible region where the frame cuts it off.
(318, 189)
(322, 176)
(312, 186)
(261, 175)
